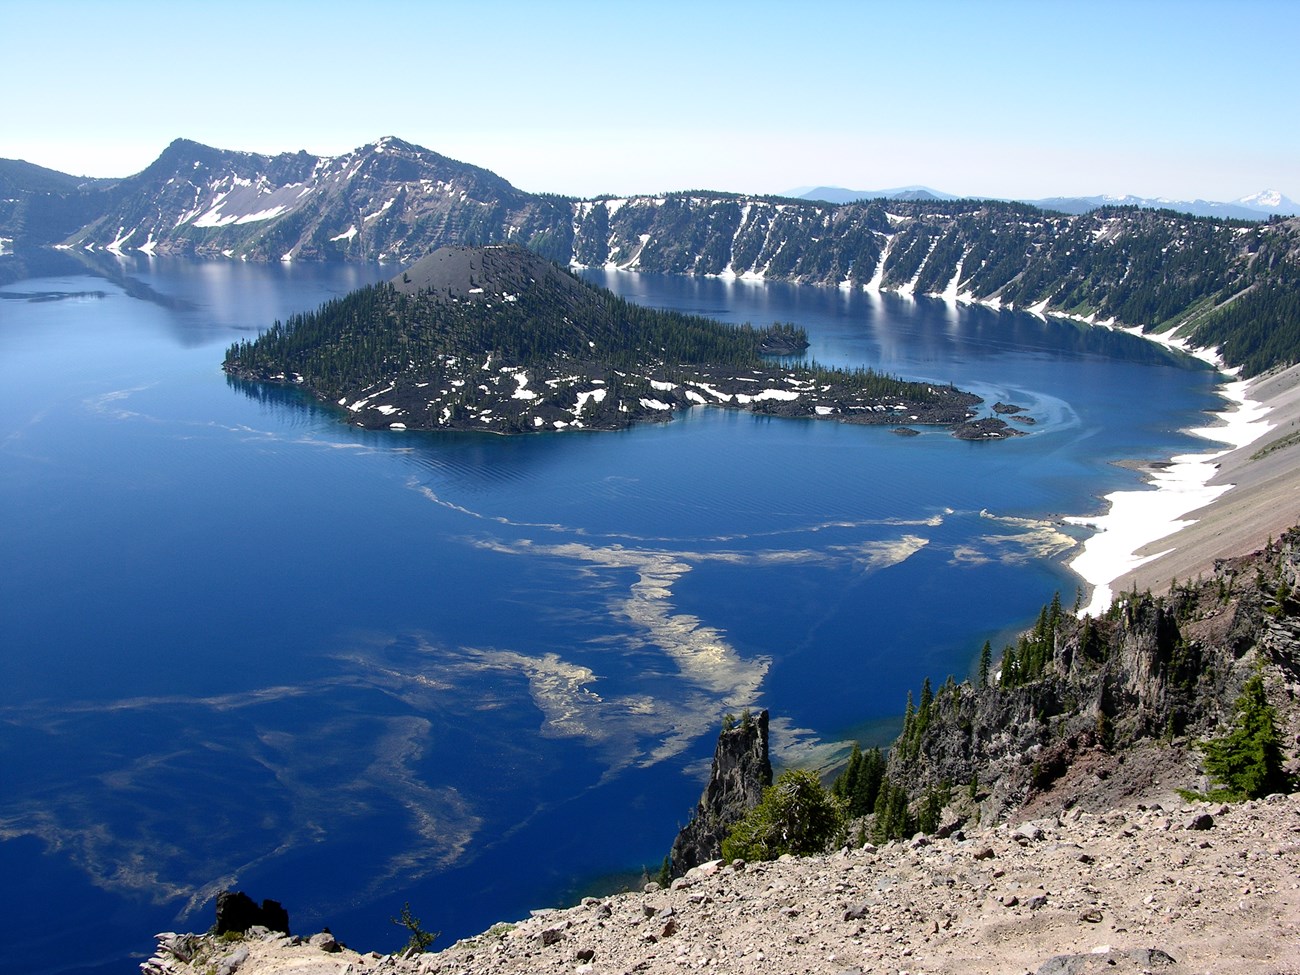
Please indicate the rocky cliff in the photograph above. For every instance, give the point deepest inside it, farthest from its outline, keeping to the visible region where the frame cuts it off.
(1095, 711)
(741, 771)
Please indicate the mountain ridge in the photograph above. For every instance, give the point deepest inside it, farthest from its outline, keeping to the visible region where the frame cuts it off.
(1254, 206)
(1216, 282)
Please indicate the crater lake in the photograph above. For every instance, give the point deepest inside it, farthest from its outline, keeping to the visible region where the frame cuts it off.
(243, 644)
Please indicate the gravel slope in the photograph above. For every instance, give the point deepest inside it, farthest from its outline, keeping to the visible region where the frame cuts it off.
(1264, 501)
(1161, 887)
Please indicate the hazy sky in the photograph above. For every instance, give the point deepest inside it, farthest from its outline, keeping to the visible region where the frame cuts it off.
(1172, 98)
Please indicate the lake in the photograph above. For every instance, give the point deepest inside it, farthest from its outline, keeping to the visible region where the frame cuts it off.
(247, 645)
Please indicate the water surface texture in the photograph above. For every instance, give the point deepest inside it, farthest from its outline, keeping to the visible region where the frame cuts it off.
(243, 644)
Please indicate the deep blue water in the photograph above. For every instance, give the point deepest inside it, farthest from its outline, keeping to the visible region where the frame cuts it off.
(243, 644)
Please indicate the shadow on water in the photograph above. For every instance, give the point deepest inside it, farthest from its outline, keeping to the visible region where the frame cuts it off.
(473, 460)
(905, 335)
(107, 266)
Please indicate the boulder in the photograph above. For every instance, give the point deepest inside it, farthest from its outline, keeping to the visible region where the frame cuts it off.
(1200, 821)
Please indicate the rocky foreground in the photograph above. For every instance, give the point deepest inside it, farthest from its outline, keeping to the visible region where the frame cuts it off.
(1163, 887)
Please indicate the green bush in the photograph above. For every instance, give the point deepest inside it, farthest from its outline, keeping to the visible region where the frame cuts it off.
(796, 815)
(1247, 761)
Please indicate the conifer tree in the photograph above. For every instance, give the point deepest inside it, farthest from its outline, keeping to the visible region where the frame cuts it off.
(1247, 761)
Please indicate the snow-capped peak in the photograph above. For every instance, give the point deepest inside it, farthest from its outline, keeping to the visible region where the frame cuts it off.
(1264, 199)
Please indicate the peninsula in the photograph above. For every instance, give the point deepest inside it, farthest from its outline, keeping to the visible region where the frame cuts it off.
(498, 339)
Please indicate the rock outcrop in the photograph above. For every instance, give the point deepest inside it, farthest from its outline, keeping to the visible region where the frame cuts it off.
(741, 771)
(237, 912)
(1081, 705)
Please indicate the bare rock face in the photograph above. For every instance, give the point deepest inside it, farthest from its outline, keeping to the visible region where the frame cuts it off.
(1120, 698)
(741, 771)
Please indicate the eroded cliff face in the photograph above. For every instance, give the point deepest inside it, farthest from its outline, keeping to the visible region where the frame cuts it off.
(741, 771)
(1135, 687)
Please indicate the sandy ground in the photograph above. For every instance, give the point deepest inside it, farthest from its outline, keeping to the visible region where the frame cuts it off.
(1264, 499)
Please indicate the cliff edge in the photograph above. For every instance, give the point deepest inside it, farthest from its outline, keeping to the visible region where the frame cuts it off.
(741, 771)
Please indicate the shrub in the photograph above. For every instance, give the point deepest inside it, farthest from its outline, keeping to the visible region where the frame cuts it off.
(796, 815)
(420, 939)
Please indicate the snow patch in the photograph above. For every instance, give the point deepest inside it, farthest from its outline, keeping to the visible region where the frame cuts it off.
(879, 276)
(523, 392)
(372, 216)
(786, 395)
(950, 293)
(123, 236)
(1137, 518)
(598, 395)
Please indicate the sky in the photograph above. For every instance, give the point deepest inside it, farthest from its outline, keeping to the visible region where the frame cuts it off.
(1181, 99)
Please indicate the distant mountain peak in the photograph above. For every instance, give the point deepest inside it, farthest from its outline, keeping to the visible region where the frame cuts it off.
(391, 143)
(838, 194)
(1267, 200)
